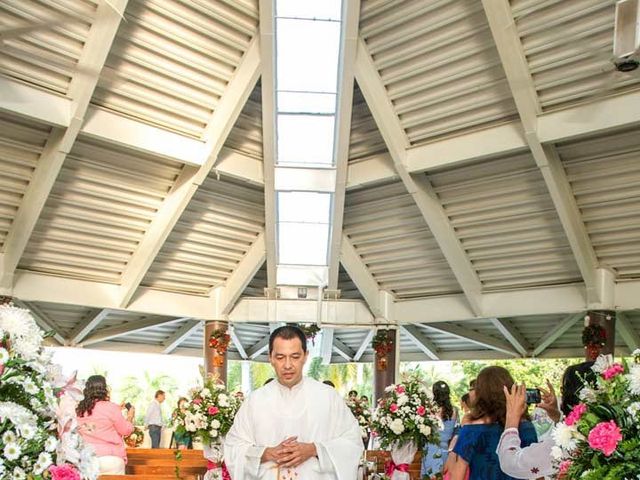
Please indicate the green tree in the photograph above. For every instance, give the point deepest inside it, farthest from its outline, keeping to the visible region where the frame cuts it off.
(317, 371)
(260, 373)
(139, 391)
(234, 375)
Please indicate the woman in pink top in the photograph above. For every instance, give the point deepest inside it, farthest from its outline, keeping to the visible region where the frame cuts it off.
(103, 426)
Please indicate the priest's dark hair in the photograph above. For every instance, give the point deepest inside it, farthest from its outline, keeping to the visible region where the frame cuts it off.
(288, 332)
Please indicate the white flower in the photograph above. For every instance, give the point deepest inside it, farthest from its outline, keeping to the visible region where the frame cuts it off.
(30, 387)
(4, 355)
(556, 453)
(566, 437)
(213, 433)
(44, 461)
(634, 409)
(205, 393)
(12, 451)
(402, 399)
(636, 353)
(2, 468)
(602, 363)
(634, 379)
(9, 437)
(588, 395)
(19, 474)
(27, 430)
(223, 400)
(215, 424)
(425, 430)
(397, 426)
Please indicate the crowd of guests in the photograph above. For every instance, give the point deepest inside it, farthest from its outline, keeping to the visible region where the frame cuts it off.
(492, 436)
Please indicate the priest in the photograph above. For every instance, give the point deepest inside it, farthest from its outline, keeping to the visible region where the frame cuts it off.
(294, 428)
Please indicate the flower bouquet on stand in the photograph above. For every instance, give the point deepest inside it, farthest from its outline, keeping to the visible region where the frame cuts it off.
(38, 426)
(135, 439)
(208, 417)
(362, 413)
(405, 420)
(600, 438)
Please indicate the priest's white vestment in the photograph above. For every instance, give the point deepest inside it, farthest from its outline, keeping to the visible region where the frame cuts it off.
(311, 411)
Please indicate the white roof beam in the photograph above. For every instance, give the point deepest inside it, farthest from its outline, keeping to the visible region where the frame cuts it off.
(127, 328)
(421, 341)
(474, 337)
(326, 345)
(243, 274)
(43, 321)
(364, 345)
(61, 140)
(359, 273)
(184, 332)
(425, 198)
(556, 333)
(238, 344)
(267, 52)
(223, 119)
(508, 331)
(32, 103)
(350, 21)
(627, 332)
(87, 326)
(343, 350)
(514, 62)
(258, 348)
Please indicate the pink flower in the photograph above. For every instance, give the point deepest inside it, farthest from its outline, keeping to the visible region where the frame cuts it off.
(613, 371)
(605, 437)
(197, 401)
(213, 410)
(393, 408)
(421, 410)
(64, 472)
(563, 468)
(576, 414)
(400, 389)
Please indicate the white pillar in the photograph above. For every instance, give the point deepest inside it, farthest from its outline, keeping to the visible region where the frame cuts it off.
(246, 376)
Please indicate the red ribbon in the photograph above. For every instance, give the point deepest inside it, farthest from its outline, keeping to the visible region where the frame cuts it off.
(391, 467)
(223, 466)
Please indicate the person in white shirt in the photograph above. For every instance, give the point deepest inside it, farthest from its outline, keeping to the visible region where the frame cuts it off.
(153, 419)
(295, 427)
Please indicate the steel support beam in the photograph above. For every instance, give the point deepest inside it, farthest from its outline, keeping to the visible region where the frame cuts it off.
(508, 331)
(87, 326)
(556, 333)
(421, 341)
(474, 337)
(184, 332)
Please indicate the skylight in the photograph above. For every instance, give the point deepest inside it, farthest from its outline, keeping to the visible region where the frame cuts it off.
(308, 39)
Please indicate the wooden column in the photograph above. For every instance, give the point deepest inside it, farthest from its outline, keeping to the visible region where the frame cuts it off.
(607, 320)
(213, 363)
(382, 378)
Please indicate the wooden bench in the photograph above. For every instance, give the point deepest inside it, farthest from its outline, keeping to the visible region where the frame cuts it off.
(160, 464)
(381, 457)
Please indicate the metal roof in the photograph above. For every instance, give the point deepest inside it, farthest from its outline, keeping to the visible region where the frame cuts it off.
(492, 191)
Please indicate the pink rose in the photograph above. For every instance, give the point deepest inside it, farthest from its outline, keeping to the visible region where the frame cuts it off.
(563, 468)
(197, 401)
(605, 437)
(613, 371)
(393, 408)
(400, 389)
(421, 410)
(64, 472)
(576, 414)
(213, 410)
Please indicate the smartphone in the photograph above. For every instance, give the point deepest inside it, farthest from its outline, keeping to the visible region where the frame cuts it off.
(127, 406)
(533, 396)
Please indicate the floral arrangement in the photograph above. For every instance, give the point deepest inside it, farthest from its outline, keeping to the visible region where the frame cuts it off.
(383, 342)
(209, 413)
(310, 330)
(362, 413)
(406, 414)
(594, 335)
(38, 424)
(135, 439)
(219, 341)
(600, 438)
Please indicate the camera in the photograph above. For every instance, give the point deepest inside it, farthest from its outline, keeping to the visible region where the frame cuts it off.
(128, 406)
(533, 396)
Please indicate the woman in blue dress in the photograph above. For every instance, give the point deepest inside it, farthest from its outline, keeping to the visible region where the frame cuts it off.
(475, 450)
(435, 456)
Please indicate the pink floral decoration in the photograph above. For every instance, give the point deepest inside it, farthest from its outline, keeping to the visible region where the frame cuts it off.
(64, 472)
(421, 410)
(393, 408)
(213, 410)
(613, 371)
(400, 389)
(197, 401)
(605, 437)
(563, 468)
(576, 414)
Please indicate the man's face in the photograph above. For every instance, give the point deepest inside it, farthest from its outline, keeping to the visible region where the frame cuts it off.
(288, 359)
(161, 398)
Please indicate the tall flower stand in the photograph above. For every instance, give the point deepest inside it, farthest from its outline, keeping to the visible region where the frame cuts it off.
(402, 455)
(216, 468)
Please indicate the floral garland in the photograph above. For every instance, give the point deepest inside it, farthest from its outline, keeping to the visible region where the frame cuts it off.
(135, 439)
(594, 335)
(219, 340)
(406, 414)
(38, 426)
(361, 411)
(383, 342)
(600, 438)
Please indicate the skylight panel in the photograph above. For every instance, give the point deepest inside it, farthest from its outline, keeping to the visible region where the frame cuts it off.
(304, 102)
(318, 9)
(305, 139)
(303, 243)
(304, 207)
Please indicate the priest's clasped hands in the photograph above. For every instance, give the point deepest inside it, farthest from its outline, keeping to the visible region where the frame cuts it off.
(290, 453)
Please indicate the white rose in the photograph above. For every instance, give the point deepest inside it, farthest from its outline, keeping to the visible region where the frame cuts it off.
(397, 426)
(215, 424)
(425, 430)
(213, 433)
(402, 399)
